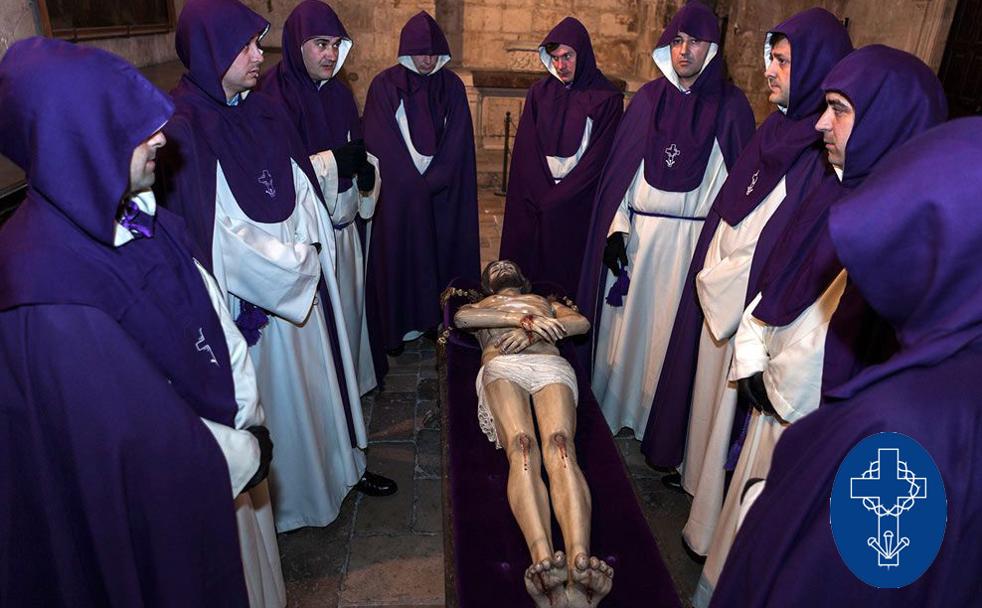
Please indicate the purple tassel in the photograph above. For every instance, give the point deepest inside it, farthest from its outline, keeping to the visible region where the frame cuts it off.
(250, 321)
(615, 297)
(734, 455)
(139, 224)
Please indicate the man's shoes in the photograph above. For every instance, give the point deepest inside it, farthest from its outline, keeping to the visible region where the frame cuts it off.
(372, 484)
(673, 481)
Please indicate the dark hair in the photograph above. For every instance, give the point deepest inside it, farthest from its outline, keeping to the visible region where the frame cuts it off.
(550, 46)
(778, 37)
(525, 287)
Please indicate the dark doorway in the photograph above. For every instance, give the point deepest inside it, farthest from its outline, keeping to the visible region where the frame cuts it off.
(961, 67)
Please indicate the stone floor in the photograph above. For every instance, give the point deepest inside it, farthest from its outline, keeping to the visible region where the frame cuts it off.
(389, 551)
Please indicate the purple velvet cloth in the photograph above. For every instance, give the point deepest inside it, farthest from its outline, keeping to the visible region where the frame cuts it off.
(895, 96)
(324, 116)
(254, 141)
(713, 111)
(545, 225)
(930, 290)
(424, 232)
(102, 370)
(784, 146)
(490, 554)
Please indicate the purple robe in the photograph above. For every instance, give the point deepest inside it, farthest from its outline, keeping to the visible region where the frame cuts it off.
(659, 115)
(895, 97)
(253, 140)
(545, 225)
(425, 230)
(325, 115)
(103, 381)
(785, 146)
(930, 291)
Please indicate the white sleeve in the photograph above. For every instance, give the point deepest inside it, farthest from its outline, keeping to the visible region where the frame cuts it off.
(622, 217)
(793, 377)
(749, 345)
(367, 201)
(326, 170)
(722, 286)
(259, 268)
(239, 446)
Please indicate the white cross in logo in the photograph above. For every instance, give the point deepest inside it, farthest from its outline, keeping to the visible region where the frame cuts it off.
(266, 179)
(753, 182)
(670, 153)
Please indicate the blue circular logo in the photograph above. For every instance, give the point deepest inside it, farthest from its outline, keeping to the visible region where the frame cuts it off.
(889, 510)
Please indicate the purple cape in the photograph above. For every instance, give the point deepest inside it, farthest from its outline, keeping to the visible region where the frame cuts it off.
(325, 116)
(658, 114)
(930, 290)
(253, 141)
(545, 225)
(103, 385)
(785, 145)
(425, 229)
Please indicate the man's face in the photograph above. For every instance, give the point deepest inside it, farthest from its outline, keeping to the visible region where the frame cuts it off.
(143, 162)
(243, 74)
(504, 274)
(320, 56)
(564, 62)
(688, 57)
(836, 124)
(425, 63)
(778, 73)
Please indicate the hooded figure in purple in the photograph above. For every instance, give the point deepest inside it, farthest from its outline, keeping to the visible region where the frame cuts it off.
(695, 403)
(425, 233)
(242, 179)
(564, 137)
(878, 98)
(929, 288)
(128, 393)
(673, 149)
(307, 85)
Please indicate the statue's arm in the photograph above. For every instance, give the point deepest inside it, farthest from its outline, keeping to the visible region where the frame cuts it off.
(573, 322)
(473, 317)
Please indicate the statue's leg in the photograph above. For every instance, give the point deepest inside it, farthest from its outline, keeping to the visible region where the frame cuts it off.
(527, 496)
(555, 410)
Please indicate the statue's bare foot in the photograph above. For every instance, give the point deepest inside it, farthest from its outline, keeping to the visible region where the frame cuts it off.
(591, 581)
(544, 581)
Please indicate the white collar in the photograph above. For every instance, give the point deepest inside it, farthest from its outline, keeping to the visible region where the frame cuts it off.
(407, 61)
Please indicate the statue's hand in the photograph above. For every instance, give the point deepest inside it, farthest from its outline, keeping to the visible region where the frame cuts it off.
(549, 329)
(512, 342)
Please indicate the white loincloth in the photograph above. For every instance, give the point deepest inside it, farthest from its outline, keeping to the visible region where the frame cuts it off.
(531, 372)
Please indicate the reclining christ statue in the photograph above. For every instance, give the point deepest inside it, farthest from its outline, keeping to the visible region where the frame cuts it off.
(518, 332)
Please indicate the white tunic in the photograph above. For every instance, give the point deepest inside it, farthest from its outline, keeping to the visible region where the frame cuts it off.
(253, 512)
(632, 339)
(343, 210)
(275, 266)
(722, 288)
(791, 359)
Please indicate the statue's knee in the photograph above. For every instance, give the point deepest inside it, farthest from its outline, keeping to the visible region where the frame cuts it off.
(521, 447)
(560, 447)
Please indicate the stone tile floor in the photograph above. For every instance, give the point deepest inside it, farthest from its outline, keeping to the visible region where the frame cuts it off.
(389, 551)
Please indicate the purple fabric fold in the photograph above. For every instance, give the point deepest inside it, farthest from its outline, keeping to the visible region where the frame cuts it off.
(425, 229)
(929, 290)
(545, 224)
(615, 296)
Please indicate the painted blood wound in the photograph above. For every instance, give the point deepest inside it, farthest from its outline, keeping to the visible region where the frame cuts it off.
(560, 441)
(526, 446)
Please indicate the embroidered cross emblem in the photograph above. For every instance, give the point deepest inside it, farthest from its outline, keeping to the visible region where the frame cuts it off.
(753, 182)
(203, 346)
(266, 179)
(670, 153)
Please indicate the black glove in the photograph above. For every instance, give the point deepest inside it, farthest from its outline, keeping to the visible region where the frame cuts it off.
(752, 390)
(261, 434)
(317, 247)
(615, 252)
(350, 157)
(366, 177)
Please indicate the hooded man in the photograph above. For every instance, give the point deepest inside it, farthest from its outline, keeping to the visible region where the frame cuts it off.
(781, 165)
(878, 98)
(927, 287)
(244, 183)
(129, 406)
(679, 138)
(306, 85)
(564, 137)
(418, 124)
